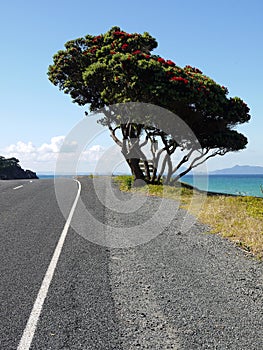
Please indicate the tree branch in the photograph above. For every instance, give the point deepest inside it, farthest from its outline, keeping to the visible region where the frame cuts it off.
(192, 165)
(114, 137)
(156, 163)
(217, 153)
(184, 160)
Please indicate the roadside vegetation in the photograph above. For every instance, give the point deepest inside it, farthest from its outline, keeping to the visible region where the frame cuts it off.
(237, 218)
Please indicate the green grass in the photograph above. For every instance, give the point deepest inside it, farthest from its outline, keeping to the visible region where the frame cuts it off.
(239, 219)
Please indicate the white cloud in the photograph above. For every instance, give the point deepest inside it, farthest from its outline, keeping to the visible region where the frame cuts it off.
(52, 147)
(43, 157)
(21, 147)
(92, 154)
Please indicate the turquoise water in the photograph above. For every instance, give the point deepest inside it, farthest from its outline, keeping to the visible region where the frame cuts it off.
(246, 185)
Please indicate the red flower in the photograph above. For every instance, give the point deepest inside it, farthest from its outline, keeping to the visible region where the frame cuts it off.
(93, 49)
(170, 63)
(179, 79)
(193, 69)
(161, 60)
(112, 52)
(118, 33)
(96, 38)
(124, 46)
(137, 52)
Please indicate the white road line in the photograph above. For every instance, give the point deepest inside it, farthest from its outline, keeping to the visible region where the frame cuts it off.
(31, 325)
(16, 188)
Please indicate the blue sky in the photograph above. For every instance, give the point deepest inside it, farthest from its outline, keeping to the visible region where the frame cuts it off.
(223, 39)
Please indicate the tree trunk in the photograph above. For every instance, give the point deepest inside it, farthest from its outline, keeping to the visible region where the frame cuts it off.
(170, 169)
(147, 171)
(132, 152)
(136, 171)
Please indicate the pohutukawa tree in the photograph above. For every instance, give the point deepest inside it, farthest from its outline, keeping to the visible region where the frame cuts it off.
(118, 67)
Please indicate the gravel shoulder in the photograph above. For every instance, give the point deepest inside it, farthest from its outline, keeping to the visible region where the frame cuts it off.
(186, 290)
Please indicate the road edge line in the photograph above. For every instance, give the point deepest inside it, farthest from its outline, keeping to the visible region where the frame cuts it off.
(29, 331)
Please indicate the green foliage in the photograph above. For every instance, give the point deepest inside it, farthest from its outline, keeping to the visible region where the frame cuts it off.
(118, 67)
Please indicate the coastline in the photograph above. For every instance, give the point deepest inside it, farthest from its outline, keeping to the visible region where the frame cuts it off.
(209, 192)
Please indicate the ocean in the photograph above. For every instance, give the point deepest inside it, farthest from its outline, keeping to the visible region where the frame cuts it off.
(43, 177)
(245, 185)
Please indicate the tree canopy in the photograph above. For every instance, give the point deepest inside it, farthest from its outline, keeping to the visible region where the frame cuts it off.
(119, 67)
(8, 162)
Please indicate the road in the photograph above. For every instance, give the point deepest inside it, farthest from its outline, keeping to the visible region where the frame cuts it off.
(180, 290)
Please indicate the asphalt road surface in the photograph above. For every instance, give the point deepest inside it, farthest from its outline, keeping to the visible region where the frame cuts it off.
(179, 290)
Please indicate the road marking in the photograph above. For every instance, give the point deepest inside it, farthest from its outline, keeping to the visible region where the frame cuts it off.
(31, 325)
(16, 188)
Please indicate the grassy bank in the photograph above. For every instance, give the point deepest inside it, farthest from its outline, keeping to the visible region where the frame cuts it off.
(239, 219)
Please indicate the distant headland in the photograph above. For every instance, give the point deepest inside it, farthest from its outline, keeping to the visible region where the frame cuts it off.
(11, 170)
(239, 170)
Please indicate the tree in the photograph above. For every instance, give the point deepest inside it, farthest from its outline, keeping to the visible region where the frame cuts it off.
(119, 67)
(8, 162)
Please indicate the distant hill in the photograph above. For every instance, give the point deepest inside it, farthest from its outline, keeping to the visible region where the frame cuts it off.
(10, 169)
(239, 170)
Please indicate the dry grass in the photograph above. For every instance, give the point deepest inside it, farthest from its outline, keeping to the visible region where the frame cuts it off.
(239, 219)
